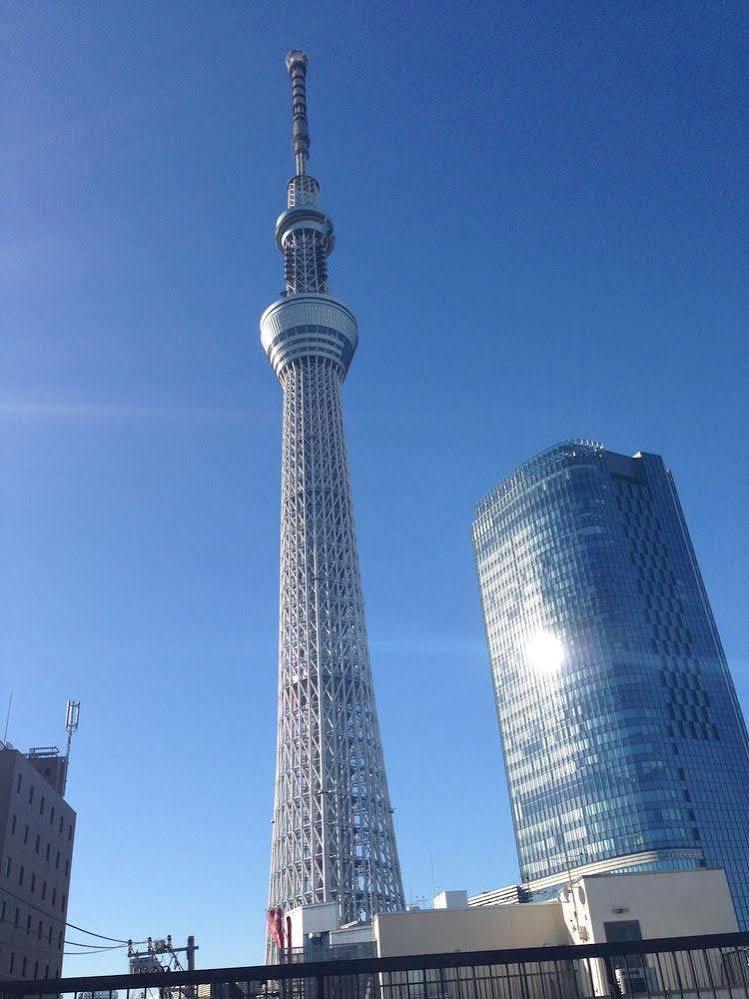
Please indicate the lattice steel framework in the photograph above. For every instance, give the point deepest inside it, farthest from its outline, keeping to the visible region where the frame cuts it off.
(333, 837)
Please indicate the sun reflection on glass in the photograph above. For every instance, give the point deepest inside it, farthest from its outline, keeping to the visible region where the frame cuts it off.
(544, 652)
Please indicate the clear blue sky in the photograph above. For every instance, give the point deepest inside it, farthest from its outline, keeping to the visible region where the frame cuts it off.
(541, 218)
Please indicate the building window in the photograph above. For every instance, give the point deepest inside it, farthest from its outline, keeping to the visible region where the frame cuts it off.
(61, 825)
(51, 815)
(17, 917)
(57, 861)
(36, 969)
(33, 883)
(23, 968)
(48, 852)
(12, 962)
(20, 875)
(13, 826)
(36, 844)
(31, 794)
(41, 806)
(28, 923)
(59, 940)
(6, 867)
(46, 971)
(64, 901)
(49, 935)
(54, 895)
(26, 834)
(70, 832)
(39, 933)
(44, 890)
(2, 910)
(67, 867)
(18, 784)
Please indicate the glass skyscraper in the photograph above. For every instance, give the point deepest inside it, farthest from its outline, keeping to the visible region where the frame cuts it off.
(623, 741)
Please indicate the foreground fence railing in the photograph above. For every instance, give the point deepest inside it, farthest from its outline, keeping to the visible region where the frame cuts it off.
(702, 967)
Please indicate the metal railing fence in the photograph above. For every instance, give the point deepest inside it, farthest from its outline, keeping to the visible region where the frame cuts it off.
(699, 967)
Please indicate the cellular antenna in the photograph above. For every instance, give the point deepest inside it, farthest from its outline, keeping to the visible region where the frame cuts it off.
(296, 63)
(7, 717)
(72, 713)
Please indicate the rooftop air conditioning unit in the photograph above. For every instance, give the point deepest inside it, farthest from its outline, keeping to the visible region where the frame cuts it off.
(636, 981)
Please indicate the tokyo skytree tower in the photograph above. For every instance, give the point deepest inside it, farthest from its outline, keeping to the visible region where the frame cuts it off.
(333, 837)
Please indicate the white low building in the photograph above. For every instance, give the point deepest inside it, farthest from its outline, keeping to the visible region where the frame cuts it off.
(594, 909)
(492, 927)
(619, 907)
(599, 908)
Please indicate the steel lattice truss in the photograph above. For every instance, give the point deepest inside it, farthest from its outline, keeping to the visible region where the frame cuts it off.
(333, 837)
(305, 262)
(333, 832)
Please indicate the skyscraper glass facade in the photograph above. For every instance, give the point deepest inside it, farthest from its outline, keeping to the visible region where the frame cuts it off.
(623, 741)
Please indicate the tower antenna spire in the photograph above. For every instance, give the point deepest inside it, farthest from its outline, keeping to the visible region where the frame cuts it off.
(296, 63)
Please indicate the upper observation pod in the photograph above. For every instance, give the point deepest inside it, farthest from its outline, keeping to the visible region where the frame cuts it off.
(304, 235)
(308, 326)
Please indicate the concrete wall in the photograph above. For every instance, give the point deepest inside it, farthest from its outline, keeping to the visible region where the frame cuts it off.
(354, 935)
(668, 904)
(451, 900)
(319, 918)
(436, 931)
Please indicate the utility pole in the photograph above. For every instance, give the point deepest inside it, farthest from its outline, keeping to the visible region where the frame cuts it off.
(160, 954)
(190, 951)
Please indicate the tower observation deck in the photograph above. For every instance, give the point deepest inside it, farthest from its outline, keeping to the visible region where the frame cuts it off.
(333, 837)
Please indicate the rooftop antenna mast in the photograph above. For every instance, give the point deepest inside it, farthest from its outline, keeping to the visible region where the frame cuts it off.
(72, 713)
(7, 717)
(296, 63)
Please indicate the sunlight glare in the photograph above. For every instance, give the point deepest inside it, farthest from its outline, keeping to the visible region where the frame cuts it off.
(544, 652)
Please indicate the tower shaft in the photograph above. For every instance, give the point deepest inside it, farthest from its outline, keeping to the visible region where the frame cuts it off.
(333, 837)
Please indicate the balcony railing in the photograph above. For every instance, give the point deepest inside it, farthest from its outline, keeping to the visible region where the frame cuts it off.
(701, 967)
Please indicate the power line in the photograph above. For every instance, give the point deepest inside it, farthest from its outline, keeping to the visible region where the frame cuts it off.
(77, 943)
(94, 950)
(88, 953)
(99, 935)
(72, 926)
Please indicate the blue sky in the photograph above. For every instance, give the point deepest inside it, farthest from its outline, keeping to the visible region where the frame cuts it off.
(541, 219)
